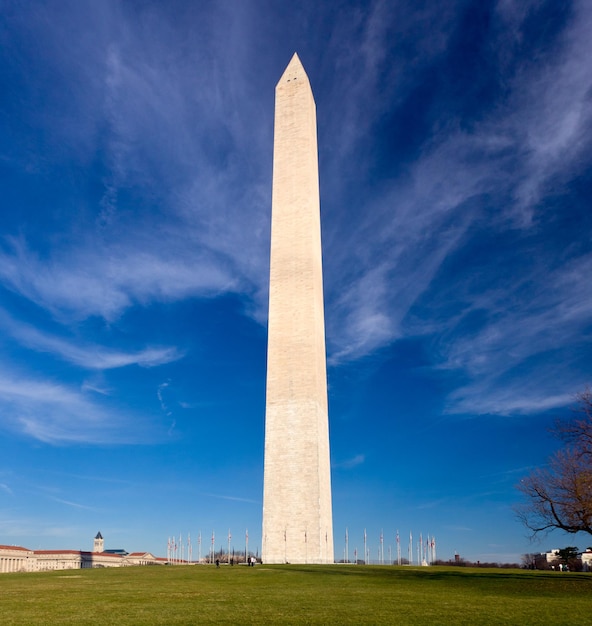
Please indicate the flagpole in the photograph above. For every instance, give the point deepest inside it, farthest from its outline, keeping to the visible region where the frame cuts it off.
(365, 550)
(433, 549)
(229, 538)
(346, 546)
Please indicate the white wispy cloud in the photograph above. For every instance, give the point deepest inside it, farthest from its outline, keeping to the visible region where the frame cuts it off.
(554, 112)
(515, 399)
(169, 131)
(74, 505)
(538, 136)
(403, 232)
(92, 477)
(356, 460)
(550, 313)
(169, 114)
(163, 405)
(232, 498)
(84, 282)
(91, 357)
(373, 77)
(55, 413)
(96, 387)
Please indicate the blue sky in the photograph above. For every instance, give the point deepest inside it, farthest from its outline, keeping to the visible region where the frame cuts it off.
(135, 177)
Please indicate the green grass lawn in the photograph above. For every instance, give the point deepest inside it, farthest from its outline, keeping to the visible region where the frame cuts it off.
(292, 594)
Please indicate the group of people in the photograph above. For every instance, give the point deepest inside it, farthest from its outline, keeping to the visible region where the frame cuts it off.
(250, 561)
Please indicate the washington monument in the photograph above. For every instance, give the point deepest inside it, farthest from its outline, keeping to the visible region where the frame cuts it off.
(297, 517)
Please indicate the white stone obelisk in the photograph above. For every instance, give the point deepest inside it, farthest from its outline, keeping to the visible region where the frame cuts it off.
(297, 515)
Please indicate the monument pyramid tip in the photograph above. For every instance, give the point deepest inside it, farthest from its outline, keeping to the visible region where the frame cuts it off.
(295, 62)
(294, 69)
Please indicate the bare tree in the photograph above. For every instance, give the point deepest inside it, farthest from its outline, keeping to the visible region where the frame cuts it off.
(559, 495)
(577, 433)
(529, 560)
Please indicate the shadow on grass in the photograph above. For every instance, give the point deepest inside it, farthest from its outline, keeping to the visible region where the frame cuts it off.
(432, 573)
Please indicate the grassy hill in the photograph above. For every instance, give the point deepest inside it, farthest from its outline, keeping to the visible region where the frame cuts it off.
(293, 594)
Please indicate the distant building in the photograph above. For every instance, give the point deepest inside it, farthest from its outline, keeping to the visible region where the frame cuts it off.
(99, 544)
(72, 559)
(547, 560)
(15, 559)
(586, 558)
(19, 559)
(552, 560)
(142, 558)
